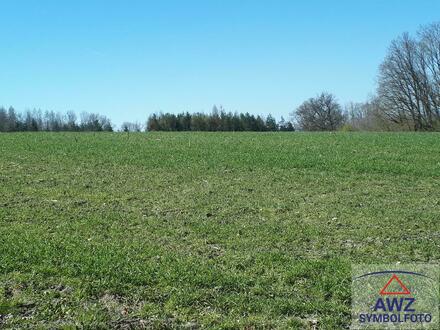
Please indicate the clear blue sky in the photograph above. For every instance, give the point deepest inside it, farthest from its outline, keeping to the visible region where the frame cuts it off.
(127, 59)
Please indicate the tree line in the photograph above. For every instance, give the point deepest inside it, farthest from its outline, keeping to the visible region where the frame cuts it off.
(37, 120)
(217, 120)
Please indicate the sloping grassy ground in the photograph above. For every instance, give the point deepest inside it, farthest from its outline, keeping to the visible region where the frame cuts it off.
(226, 230)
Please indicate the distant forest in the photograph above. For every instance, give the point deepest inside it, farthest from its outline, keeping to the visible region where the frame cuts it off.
(36, 120)
(217, 120)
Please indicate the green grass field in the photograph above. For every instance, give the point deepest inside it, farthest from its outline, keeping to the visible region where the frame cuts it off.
(214, 230)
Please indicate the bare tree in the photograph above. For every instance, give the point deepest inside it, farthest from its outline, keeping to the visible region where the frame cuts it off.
(71, 124)
(409, 80)
(322, 113)
(95, 122)
(366, 116)
(131, 127)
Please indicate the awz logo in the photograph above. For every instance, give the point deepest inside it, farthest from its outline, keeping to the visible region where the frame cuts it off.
(394, 302)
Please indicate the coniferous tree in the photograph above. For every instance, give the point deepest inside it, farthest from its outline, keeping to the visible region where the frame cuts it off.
(217, 120)
(271, 123)
(12, 120)
(3, 120)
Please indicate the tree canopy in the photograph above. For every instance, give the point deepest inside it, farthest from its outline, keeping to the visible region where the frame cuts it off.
(36, 120)
(217, 120)
(321, 113)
